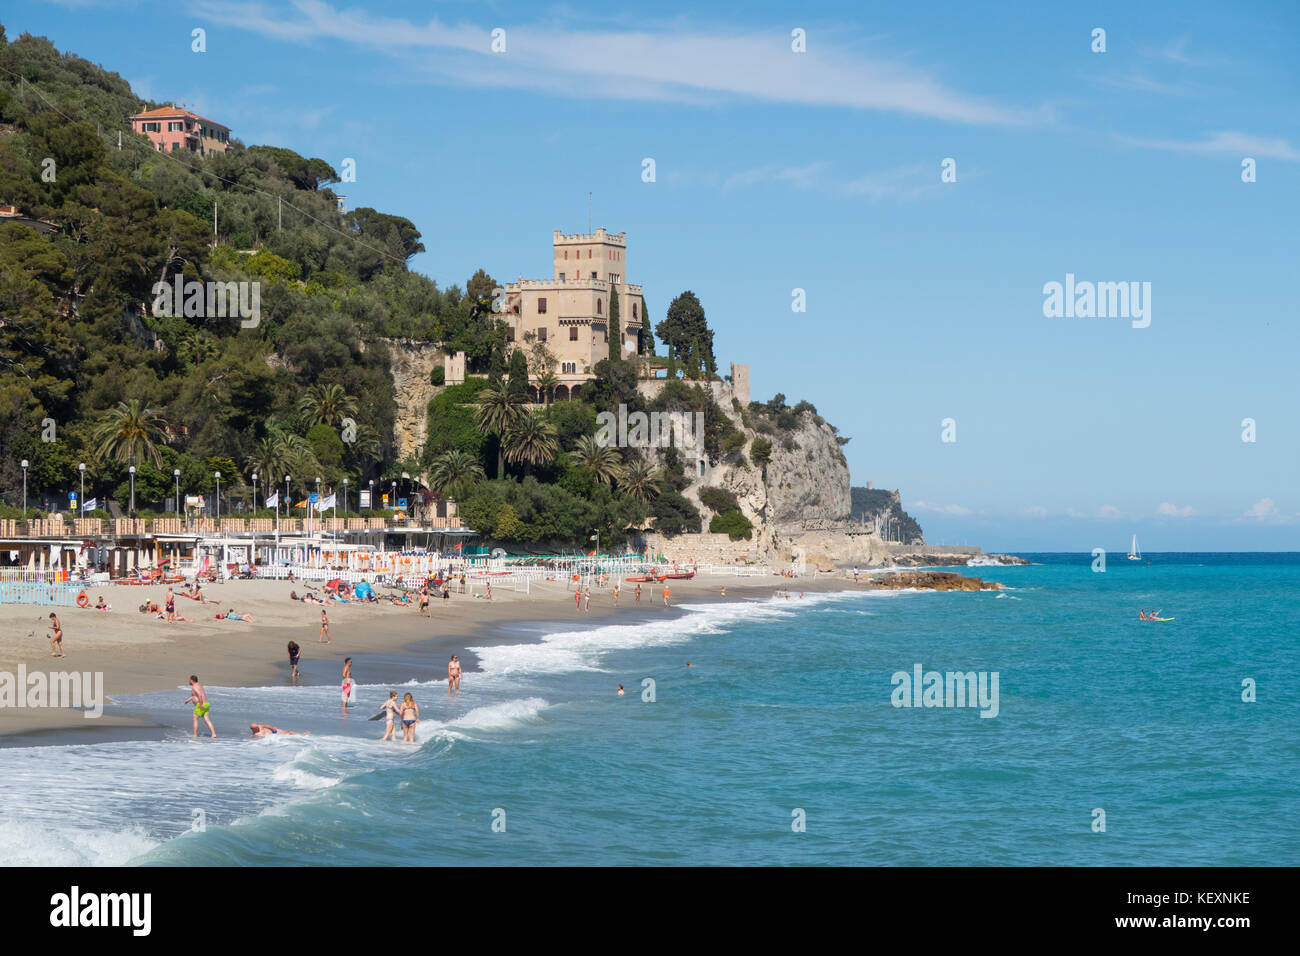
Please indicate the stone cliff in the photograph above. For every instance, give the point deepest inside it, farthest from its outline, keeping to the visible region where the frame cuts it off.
(412, 364)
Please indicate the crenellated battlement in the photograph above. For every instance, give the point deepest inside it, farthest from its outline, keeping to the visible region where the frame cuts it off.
(600, 235)
(578, 285)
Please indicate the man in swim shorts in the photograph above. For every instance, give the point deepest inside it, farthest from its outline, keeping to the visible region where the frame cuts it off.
(199, 698)
(170, 604)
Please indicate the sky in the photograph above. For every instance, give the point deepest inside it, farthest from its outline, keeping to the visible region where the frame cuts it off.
(777, 169)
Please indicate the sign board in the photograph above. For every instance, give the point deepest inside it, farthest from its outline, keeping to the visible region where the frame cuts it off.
(193, 501)
(401, 503)
(313, 497)
(385, 499)
(365, 500)
(72, 496)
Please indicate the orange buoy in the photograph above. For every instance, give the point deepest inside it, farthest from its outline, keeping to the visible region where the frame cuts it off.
(82, 599)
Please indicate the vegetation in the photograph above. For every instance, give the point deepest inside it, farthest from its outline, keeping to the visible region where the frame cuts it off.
(732, 523)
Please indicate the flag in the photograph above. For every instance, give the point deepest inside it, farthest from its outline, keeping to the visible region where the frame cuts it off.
(90, 505)
(274, 500)
(325, 503)
(301, 504)
(592, 538)
(458, 546)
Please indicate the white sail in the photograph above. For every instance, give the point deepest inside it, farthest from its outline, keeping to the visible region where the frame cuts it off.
(1133, 553)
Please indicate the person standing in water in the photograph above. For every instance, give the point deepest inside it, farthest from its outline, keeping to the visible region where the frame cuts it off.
(410, 717)
(348, 683)
(666, 593)
(199, 698)
(390, 710)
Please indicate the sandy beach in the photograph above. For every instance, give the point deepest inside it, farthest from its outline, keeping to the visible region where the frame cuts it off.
(137, 652)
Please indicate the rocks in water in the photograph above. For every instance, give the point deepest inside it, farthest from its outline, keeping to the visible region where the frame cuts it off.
(931, 581)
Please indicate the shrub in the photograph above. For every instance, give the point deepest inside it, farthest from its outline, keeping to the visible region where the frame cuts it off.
(438, 376)
(719, 500)
(761, 452)
(733, 524)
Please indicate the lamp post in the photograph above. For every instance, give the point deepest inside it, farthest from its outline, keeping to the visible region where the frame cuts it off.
(317, 508)
(176, 474)
(345, 496)
(217, 475)
(82, 470)
(372, 493)
(25, 463)
(254, 494)
(132, 472)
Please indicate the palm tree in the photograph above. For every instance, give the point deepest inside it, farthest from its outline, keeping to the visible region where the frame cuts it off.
(531, 440)
(366, 447)
(196, 345)
(546, 383)
(640, 480)
(326, 404)
(127, 431)
(268, 461)
(295, 455)
(454, 472)
(601, 461)
(496, 414)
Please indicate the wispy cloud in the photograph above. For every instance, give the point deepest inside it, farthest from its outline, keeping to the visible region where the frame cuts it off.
(1225, 142)
(1266, 510)
(1109, 512)
(903, 183)
(1140, 83)
(941, 509)
(1168, 509)
(707, 65)
(1035, 511)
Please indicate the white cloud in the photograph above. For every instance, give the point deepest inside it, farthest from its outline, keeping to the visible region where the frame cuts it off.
(941, 509)
(1170, 510)
(1035, 511)
(1109, 511)
(1225, 142)
(702, 66)
(1264, 509)
(904, 183)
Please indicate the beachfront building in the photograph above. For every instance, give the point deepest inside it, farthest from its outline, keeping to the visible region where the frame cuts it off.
(173, 129)
(569, 312)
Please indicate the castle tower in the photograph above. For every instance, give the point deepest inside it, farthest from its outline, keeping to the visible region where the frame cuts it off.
(597, 256)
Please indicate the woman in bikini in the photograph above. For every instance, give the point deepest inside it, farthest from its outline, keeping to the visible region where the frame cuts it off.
(410, 717)
(390, 709)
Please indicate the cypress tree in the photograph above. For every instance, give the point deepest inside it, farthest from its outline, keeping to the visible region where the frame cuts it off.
(615, 327)
(518, 384)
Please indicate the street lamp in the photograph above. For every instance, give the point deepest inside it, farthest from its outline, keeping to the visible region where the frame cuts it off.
(254, 494)
(132, 471)
(217, 475)
(82, 469)
(25, 463)
(176, 473)
(345, 496)
(372, 493)
(317, 507)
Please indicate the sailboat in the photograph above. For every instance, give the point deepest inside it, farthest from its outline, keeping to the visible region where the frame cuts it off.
(1133, 553)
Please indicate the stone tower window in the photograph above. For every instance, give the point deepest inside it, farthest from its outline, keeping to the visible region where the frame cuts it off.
(599, 308)
(573, 333)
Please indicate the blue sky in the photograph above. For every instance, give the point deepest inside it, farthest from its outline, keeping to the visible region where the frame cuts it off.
(820, 170)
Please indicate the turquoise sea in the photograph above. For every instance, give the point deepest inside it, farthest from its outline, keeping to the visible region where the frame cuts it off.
(783, 717)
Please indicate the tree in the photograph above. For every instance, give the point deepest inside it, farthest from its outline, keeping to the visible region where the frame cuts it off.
(531, 441)
(640, 480)
(480, 286)
(685, 331)
(454, 473)
(326, 405)
(645, 338)
(127, 432)
(600, 460)
(546, 384)
(518, 377)
(615, 326)
(496, 413)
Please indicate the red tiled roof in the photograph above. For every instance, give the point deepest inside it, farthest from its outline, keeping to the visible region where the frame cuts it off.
(165, 111)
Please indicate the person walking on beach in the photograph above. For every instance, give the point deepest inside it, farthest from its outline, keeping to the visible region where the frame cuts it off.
(170, 605)
(615, 594)
(199, 698)
(348, 683)
(666, 593)
(324, 628)
(424, 600)
(56, 638)
(489, 590)
(410, 717)
(586, 600)
(446, 593)
(638, 594)
(577, 598)
(294, 651)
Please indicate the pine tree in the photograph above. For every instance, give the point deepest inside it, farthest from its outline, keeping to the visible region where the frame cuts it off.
(518, 377)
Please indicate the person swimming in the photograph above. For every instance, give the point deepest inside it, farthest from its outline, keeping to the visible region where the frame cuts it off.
(266, 730)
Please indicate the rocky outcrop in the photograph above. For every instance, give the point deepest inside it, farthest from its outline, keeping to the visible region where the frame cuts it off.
(931, 581)
(411, 365)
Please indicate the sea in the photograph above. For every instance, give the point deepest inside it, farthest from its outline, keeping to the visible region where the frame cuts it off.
(772, 731)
